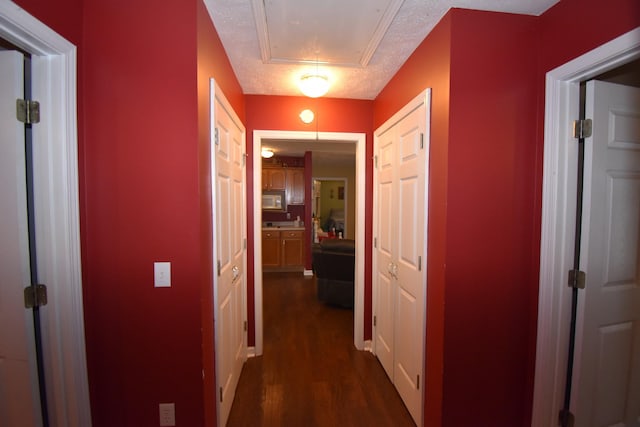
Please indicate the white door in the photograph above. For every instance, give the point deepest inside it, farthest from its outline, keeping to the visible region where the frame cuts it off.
(411, 255)
(607, 387)
(384, 252)
(400, 230)
(19, 398)
(229, 254)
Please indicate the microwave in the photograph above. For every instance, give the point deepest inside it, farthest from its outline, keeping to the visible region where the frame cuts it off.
(273, 201)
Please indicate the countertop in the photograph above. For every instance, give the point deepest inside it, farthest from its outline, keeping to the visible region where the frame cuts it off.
(283, 228)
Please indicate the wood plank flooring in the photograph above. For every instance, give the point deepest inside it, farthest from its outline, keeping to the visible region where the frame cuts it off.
(310, 373)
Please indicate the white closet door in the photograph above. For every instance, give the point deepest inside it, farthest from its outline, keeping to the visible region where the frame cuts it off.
(400, 230)
(385, 251)
(411, 250)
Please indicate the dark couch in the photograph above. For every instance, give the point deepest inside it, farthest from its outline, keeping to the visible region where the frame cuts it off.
(334, 266)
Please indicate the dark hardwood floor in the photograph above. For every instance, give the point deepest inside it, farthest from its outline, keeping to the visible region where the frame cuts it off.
(310, 373)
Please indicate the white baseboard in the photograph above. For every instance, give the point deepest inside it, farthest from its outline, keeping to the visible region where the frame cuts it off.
(251, 352)
(368, 346)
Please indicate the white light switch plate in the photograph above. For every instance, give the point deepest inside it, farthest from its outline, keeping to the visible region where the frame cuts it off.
(162, 274)
(167, 414)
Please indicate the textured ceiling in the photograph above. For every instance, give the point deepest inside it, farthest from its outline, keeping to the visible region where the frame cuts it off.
(358, 44)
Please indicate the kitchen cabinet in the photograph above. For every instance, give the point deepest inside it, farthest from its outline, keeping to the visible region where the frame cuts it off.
(282, 250)
(274, 179)
(292, 248)
(295, 186)
(271, 249)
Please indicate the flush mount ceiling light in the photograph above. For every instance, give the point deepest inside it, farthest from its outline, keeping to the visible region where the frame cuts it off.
(313, 85)
(267, 153)
(306, 116)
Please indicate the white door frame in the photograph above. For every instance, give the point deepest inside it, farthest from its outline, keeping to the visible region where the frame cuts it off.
(57, 212)
(360, 140)
(562, 101)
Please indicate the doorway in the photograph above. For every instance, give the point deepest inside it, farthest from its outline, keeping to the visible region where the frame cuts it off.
(359, 139)
(559, 220)
(330, 205)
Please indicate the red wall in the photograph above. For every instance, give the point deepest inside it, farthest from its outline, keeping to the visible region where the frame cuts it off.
(143, 145)
(490, 212)
(141, 204)
(429, 67)
(485, 196)
(143, 125)
(332, 115)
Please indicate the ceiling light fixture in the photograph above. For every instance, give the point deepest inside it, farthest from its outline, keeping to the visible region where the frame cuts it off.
(267, 153)
(314, 85)
(306, 116)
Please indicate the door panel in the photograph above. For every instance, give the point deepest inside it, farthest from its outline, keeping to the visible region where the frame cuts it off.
(608, 384)
(19, 401)
(411, 281)
(384, 251)
(231, 259)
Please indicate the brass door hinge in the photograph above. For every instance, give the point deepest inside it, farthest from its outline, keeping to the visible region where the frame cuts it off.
(582, 128)
(27, 111)
(35, 296)
(577, 279)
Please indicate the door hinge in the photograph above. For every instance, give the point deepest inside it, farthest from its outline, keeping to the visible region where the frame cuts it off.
(220, 394)
(35, 296)
(375, 161)
(375, 242)
(577, 279)
(219, 267)
(216, 136)
(418, 381)
(422, 141)
(566, 418)
(582, 128)
(244, 244)
(244, 159)
(375, 320)
(27, 111)
(245, 326)
(420, 263)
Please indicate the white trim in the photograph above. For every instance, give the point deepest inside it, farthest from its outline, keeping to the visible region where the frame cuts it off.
(251, 352)
(57, 212)
(360, 140)
(558, 216)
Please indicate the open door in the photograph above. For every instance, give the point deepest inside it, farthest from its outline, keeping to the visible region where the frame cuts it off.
(19, 390)
(607, 363)
(230, 258)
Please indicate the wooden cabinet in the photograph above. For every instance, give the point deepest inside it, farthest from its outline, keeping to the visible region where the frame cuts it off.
(292, 248)
(295, 186)
(271, 249)
(283, 250)
(274, 179)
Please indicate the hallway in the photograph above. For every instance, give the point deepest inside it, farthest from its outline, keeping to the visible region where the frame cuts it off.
(310, 373)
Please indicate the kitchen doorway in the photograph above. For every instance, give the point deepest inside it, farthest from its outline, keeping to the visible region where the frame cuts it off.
(359, 139)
